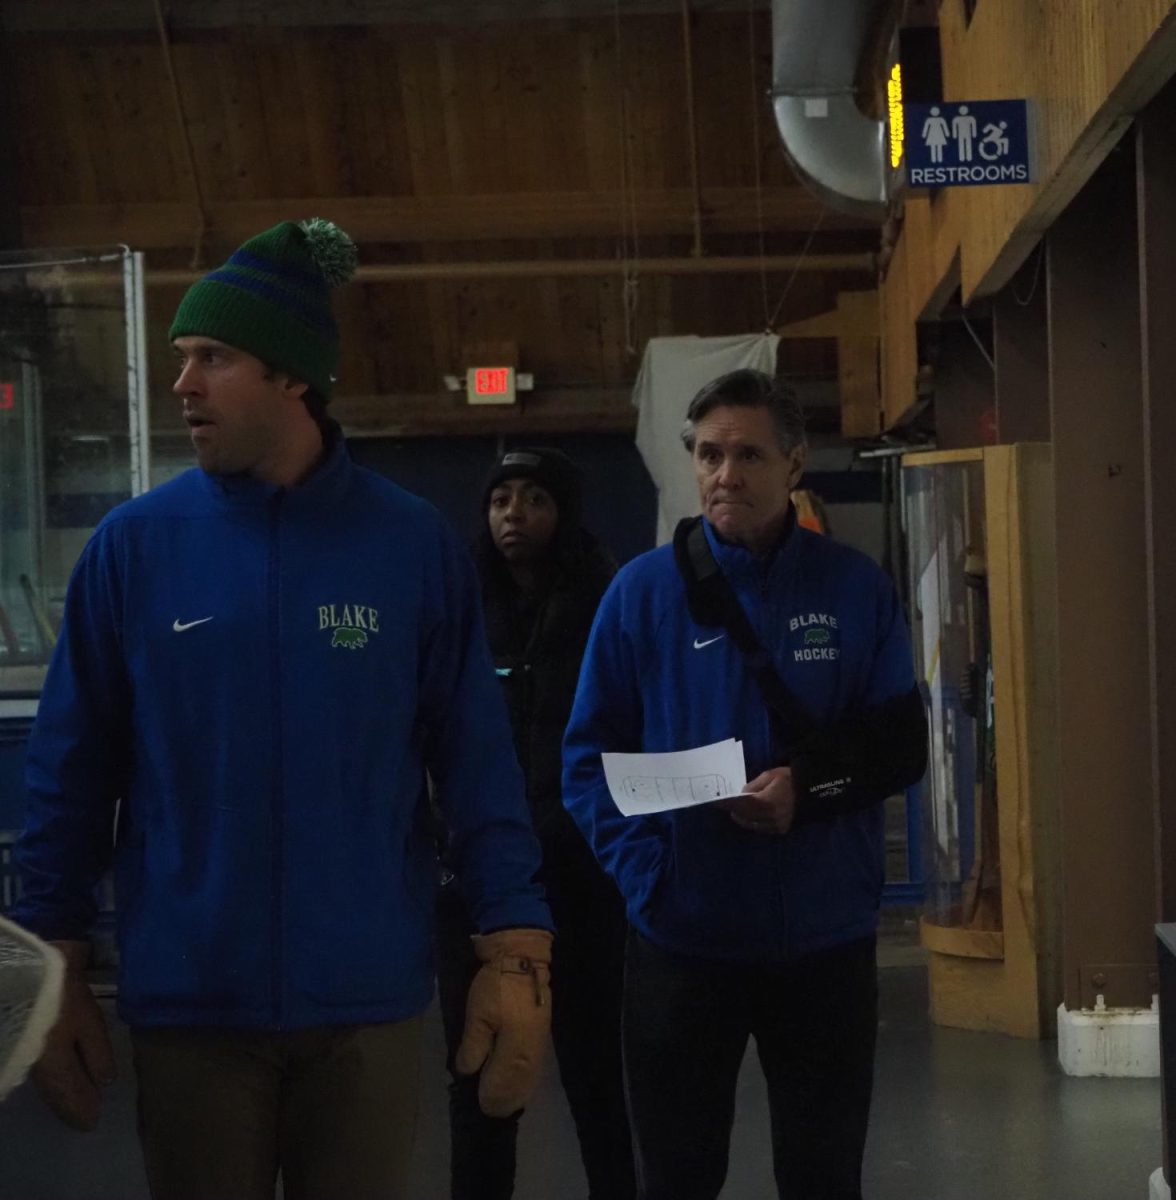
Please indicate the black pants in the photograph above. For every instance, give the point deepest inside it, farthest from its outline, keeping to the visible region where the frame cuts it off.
(586, 978)
(686, 1025)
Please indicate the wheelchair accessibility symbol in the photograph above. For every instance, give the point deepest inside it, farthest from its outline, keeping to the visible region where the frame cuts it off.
(994, 145)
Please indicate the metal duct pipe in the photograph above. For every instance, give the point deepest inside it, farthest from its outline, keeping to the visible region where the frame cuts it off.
(838, 152)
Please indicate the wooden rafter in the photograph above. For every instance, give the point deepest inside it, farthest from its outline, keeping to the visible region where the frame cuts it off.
(71, 16)
(509, 216)
(553, 268)
(548, 411)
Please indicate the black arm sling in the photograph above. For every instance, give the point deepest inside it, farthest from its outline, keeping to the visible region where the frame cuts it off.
(862, 757)
(712, 601)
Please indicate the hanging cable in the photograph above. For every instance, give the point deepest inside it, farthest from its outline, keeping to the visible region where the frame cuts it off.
(630, 248)
(194, 174)
(976, 338)
(796, 269)
(692, 128)
(755, 158)
(1036, 276)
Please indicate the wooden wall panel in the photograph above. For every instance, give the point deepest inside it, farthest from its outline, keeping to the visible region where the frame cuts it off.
(281, 114)
(595, 80)
(899, 349)
(246, 144)
(1021, 351)
(1104, 697)
(124, 82)
(1156, 196)
(90, 147)
(965, 390)
(858, 364)
(321, 72)
(60, 165)
(1086, 65)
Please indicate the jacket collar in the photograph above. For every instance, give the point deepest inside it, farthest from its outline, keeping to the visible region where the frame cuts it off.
(746, 570)
(325, 484)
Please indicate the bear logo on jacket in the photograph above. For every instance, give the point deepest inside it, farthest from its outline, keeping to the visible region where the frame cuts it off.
(351, 624)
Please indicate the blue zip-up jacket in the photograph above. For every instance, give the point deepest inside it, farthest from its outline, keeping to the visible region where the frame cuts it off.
(262, 675)
(653, 680)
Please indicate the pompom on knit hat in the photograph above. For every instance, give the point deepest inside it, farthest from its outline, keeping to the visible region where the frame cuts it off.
(551, 469)
(272, 299)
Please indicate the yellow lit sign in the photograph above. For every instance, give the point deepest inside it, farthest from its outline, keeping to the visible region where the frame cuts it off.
(894, 108)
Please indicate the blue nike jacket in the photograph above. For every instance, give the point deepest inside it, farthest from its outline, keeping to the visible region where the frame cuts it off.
(256, 678)
(653, 680)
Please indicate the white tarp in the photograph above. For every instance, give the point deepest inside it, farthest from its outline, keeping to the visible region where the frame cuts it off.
(672, 372)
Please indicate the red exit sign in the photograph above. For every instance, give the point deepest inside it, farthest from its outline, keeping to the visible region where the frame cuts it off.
(7, 396)
(490, 385)
(492, 381)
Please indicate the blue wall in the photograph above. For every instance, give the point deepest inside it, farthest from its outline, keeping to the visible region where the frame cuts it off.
(620, 502)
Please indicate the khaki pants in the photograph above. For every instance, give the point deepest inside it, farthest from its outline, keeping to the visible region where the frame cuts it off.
(222, 1112)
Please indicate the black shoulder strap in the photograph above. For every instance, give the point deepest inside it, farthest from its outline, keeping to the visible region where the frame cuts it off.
(706, 586)
(712, 601)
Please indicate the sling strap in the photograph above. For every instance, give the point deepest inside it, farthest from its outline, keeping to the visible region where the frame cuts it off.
(712, 601)
(862, 757)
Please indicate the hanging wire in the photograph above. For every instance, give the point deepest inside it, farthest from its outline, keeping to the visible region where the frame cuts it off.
(1036, 276)
(201, 233)
(796, 269)
(976, 338)
(755, 158)
(630, 246)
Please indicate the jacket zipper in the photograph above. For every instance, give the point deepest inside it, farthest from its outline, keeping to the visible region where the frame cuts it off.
(277, 823)
(780, 857)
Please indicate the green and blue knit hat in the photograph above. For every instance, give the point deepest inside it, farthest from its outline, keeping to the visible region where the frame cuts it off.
(272, 299)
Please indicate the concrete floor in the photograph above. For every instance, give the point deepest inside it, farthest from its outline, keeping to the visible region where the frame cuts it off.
(957, 1116)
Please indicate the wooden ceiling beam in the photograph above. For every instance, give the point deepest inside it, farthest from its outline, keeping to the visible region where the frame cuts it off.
(861, 263)
(823, 325)
(414, 219)
(545, 411)
(72, 16)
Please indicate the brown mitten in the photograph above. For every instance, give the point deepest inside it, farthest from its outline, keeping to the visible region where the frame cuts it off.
(508, 1014)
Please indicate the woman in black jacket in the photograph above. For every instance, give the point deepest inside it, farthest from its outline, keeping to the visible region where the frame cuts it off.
(542, 578)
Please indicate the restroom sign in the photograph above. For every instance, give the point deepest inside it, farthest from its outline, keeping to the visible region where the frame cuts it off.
(967, 143)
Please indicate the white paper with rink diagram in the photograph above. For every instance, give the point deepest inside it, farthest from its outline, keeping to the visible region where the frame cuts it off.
(652, 783)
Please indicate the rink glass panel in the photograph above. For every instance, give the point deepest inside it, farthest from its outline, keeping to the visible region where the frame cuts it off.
(71, 405)
(944, 518)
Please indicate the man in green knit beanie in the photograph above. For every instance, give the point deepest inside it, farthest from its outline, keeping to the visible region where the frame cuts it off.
(259, 663)
(270, 302)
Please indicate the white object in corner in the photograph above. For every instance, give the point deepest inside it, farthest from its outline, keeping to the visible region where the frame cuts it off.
(1121, 1042)
(1158, 1188)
